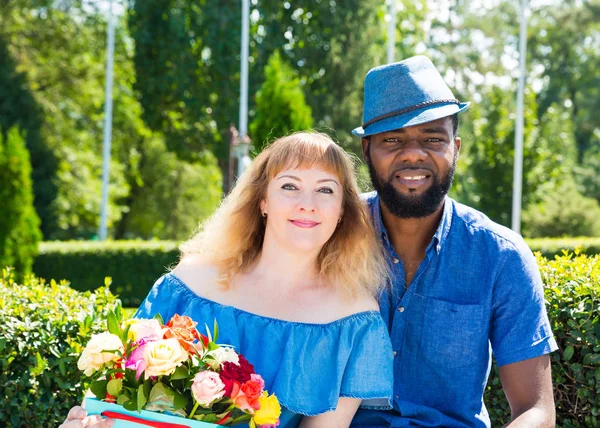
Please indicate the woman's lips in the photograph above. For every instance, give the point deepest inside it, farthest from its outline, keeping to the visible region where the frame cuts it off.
(305, 224)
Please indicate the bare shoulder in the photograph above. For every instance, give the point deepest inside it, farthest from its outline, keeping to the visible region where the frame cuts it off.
(340, 306)
(199, 275)
(364, 303)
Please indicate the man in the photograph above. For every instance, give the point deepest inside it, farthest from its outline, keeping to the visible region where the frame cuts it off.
(461, 286)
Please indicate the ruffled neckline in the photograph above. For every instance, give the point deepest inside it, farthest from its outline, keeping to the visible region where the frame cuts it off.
(194, 295)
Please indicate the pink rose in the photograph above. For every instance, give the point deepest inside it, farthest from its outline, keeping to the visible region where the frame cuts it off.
(207, 388)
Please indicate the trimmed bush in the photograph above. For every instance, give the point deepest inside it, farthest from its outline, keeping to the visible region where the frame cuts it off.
(572, 289)
(133, 265)
(44, 329)
(550, 247)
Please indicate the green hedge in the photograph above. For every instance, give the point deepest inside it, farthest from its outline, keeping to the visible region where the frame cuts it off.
(49, 321)
(44, 329)
(135, 265)
(132, 265)
(549, 247)
(572, 290)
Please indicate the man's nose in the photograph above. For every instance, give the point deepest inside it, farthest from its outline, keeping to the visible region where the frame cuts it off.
(412, 152)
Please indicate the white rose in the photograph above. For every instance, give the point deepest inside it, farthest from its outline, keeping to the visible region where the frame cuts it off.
(140, 328)
(92, 358)
(163, 357)
(222, 355)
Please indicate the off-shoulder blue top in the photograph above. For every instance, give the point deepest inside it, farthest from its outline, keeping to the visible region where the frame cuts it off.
(308, 366)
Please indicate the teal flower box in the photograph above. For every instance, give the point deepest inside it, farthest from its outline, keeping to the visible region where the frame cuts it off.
(133, 419)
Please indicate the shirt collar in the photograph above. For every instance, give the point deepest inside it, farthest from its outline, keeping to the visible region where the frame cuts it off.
(440, 235)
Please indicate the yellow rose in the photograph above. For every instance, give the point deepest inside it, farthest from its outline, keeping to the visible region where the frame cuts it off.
(163, 356)
(269, 411)
(92, 358)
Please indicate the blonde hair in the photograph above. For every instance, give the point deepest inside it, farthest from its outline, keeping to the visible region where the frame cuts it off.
(232, 238)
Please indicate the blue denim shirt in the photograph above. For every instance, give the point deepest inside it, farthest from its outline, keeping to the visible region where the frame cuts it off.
(477, 291)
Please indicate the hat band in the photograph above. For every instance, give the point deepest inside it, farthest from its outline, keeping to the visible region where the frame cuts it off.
(411, 108)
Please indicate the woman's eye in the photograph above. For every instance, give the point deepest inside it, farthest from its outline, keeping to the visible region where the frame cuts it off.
(289, 186)
(326, 190)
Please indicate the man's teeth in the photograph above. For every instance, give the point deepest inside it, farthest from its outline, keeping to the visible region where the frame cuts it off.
(416, 177)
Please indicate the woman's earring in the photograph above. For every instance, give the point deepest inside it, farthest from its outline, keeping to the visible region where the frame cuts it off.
(339, 220)
(264, 214)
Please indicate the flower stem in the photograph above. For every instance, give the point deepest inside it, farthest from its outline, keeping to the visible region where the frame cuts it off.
(193, 410)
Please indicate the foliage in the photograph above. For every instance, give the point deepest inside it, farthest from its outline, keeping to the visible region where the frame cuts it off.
(550, 247)
(44, 328)
(19, 223)
(133, 265)
(572, 290)
(280, 104)
(176, 195)
(564, 41)
(563, 212)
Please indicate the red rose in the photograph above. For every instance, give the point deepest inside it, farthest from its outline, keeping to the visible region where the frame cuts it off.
(246, 366)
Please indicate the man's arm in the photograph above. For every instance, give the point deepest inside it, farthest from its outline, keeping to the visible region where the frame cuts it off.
(528, 387)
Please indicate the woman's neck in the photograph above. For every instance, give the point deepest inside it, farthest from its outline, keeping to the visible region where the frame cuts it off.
(285, 268)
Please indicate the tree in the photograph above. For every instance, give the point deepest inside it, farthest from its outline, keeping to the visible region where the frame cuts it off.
(19, 223)
(280, 104)
(175, 195)
(19, 108)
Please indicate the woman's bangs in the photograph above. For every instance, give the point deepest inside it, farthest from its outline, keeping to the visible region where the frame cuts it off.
(306, 154)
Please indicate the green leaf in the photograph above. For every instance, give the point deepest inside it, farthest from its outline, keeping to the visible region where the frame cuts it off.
(113, 324)
(141, 399)
(114, 387)
(122, 399)
(130, 405)
(181, 372)
(107, 281)
(2, 345)
(216, 330)
(98, 388)
(180, 401)
(159, 318)
(568, 354)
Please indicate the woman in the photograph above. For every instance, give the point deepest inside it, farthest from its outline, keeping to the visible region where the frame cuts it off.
(289, 267)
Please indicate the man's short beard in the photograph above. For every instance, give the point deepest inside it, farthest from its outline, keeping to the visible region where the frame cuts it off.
(418, 206)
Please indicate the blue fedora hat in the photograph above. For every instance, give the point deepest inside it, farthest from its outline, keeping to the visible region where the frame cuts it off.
(405, 93)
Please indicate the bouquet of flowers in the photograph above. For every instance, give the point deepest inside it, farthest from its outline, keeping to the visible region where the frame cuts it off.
(144, 364)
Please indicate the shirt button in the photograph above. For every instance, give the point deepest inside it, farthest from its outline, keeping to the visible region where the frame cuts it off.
(401, 309)
(438, 248)
(396, 260)
(395, 353)
(397, 397)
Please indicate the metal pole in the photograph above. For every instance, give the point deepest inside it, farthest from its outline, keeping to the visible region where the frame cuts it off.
(518, 168)
(243, 148)
(106, 142)
(391, 46)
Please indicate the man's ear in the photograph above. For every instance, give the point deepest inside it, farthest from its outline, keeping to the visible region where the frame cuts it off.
(457, 142)
(365, 142)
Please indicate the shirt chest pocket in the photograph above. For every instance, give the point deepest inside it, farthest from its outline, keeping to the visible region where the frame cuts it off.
(452, 333)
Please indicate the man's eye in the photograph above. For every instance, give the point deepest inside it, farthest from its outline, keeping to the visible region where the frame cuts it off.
(289, 186)
(433, 140)
(326, 190)
(391, 140)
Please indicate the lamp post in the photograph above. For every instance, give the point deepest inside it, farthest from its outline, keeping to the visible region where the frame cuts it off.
(391, 46)
(106, 141)
(518, 166)
(242, 149)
